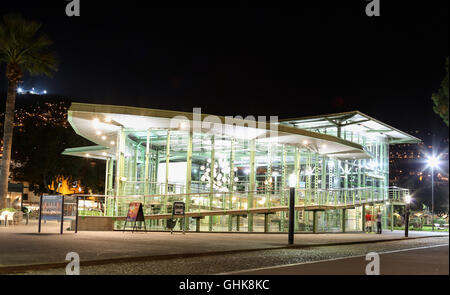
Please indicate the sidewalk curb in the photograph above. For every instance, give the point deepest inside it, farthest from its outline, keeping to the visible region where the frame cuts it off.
(17, 269)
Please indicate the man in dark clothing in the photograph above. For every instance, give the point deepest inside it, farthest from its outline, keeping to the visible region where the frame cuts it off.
(379, 222)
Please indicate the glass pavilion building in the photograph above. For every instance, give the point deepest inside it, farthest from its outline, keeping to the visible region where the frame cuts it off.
(233, 174)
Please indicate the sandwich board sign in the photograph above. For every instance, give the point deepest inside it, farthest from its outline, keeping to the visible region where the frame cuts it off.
(178, 209)
(51, 208)
(135, 214)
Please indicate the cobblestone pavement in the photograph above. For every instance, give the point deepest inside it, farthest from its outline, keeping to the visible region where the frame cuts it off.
(242, 261)
(22, 245)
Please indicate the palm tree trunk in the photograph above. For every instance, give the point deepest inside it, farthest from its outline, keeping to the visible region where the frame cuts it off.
(7, 142)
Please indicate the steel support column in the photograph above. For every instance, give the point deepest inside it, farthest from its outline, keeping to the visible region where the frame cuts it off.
(188, 178)
(392, 217)
(120, 160)
(146, 164)
(108, 163)
(283, 186)
(110, 176)
(363, 219)
(297, 185)
(252, 184)
(166, 190)
(211, 182)
(231, 188)
(344, 211)
(315, 221)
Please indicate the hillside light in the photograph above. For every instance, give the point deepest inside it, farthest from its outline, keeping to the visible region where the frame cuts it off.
(432, 162)
(292, 183)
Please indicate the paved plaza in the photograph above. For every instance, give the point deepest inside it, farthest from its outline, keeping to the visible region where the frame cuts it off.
(23, 245)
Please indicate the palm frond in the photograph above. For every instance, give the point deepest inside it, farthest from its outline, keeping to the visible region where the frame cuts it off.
(22, 43)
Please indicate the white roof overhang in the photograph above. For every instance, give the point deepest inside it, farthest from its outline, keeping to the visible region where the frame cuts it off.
(101, 124)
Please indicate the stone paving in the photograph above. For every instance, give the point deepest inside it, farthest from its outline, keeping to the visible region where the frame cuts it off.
(23, 245)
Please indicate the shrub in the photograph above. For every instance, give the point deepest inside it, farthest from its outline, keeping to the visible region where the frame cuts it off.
(8, 209)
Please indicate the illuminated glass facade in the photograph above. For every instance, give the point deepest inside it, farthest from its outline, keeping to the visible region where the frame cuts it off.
(340, 163)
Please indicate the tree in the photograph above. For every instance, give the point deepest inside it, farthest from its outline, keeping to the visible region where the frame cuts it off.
(24, 49)
(440, 98)
(37, 156)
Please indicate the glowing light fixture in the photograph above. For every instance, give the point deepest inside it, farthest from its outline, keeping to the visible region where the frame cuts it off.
(408, 199)
(433, 161)
(184, 125)
(292, 180)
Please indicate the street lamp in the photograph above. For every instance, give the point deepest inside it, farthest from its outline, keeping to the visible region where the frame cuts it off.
(433, 162)
(408, 201)
(292, 183)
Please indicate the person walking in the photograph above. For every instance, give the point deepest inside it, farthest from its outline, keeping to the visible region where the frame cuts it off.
(368, 222)
(379, 222)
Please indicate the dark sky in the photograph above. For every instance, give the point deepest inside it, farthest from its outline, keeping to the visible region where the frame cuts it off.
(312, 58)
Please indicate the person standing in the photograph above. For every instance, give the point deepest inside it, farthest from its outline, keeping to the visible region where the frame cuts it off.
(368, 222)
(379, 222)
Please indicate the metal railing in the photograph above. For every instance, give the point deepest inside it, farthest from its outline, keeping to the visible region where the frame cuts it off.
(101, 205)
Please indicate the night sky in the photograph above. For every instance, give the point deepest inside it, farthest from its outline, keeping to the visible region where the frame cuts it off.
(309, 59)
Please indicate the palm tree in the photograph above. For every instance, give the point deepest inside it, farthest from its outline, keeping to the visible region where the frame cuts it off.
(24, 49)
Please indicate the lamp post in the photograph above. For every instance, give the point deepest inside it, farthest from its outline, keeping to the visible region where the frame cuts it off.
(433, 162)
(408, 201)
(432, 198)
(292, 181)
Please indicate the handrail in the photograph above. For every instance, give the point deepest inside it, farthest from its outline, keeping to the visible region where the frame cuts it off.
(261, 192)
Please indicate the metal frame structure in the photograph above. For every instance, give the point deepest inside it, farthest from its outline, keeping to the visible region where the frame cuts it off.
(237, 181)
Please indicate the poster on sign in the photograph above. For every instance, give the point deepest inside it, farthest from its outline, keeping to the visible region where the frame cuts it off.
(51, 208)
(135, 213)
